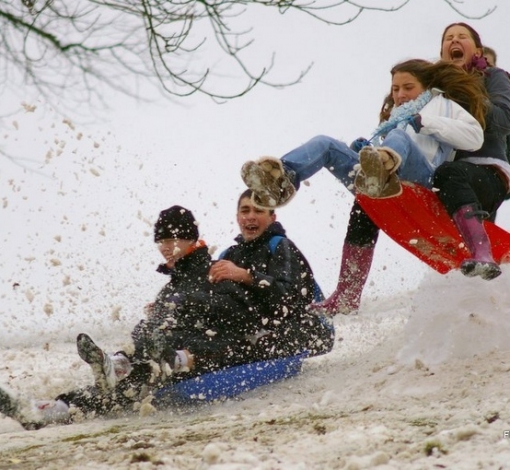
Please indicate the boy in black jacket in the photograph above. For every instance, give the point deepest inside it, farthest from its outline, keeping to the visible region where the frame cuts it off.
(248, 306)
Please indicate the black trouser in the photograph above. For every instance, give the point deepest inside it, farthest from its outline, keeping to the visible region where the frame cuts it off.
(461, 183)
(121, 398)
(307, 332)
(361, 231)
(227, 348)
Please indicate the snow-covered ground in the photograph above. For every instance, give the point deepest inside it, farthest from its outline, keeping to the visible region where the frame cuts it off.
(418, 380)
(423, 369)
(415, 381)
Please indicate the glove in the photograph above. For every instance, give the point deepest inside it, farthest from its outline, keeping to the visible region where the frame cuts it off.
(415, 122)
(359, 143)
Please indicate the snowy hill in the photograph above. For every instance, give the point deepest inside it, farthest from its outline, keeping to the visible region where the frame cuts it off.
(415, 381)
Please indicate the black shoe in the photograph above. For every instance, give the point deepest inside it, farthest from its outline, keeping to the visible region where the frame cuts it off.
(101, 364)
(9, 406)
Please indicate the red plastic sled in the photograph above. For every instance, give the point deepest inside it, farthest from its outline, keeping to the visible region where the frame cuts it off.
(417, 221)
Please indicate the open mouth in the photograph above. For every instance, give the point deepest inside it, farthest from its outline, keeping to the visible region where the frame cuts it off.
(251, 230)
(456, 54)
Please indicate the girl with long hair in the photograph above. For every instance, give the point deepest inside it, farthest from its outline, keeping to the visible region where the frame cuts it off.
(433, 110)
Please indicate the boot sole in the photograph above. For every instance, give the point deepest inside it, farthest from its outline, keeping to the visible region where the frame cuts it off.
(375, 173)
(257, 180)
(266, 178)
(95, 357)
(485, 270)
(88, 350)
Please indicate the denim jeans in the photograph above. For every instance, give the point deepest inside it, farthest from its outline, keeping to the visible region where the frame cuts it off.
(415, 167)
(322, 152)
(326, 152)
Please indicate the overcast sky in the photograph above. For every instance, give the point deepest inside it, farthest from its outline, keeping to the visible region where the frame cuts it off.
(76, 233)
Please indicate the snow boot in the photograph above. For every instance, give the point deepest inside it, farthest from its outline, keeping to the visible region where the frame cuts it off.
(354, 269)
(470, 225)
(269, 182)
(108, 369)
(51, 412)
(377, 175)
(33, 414)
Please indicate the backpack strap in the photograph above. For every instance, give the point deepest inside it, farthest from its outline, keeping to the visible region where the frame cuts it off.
(318, 296)
(273, 242)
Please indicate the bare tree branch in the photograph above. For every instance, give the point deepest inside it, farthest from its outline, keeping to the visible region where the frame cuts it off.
(74, 51)
(471, 17)
(24, 163)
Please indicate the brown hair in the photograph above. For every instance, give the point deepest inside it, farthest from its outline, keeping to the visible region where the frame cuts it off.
(492, 52)
(247, 194)
(474, 35)
(466, 89)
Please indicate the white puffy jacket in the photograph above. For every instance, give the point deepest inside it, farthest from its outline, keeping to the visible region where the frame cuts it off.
(447, 126)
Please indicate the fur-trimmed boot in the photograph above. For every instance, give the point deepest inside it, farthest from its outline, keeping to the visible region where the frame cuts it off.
(470, 225)
(377, 176)
(354, 269)
(269, 182)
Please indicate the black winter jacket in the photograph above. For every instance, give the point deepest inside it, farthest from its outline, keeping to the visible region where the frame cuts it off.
(188, 286)
(283, 282)
(220, 318)
(497, 128)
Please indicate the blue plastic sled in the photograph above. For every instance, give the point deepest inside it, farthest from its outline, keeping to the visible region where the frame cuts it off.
(227, 383)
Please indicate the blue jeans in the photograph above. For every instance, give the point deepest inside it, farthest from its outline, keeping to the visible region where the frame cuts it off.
(322, 152)
(415, 167)
(326, 152)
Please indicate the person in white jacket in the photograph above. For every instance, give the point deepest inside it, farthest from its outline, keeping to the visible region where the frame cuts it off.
(432, 110)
